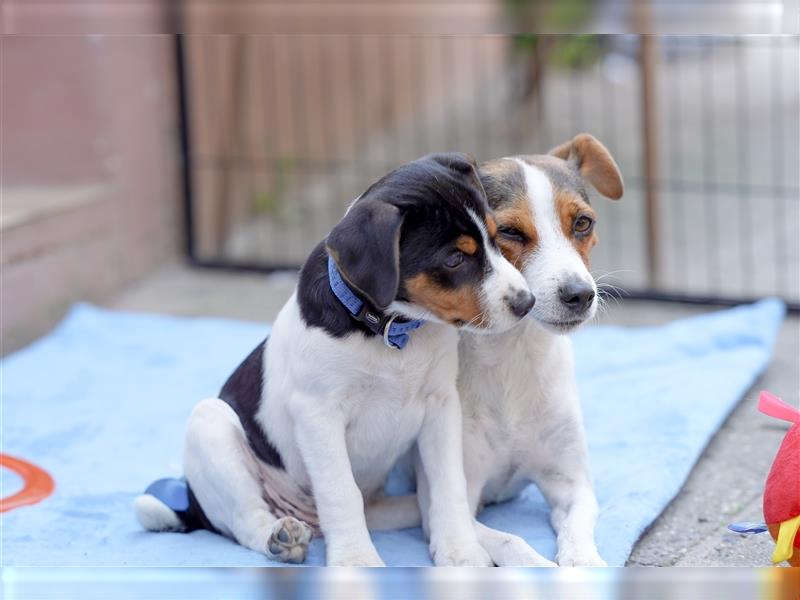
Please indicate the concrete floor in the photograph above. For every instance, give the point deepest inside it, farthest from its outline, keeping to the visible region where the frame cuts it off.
(722, 488)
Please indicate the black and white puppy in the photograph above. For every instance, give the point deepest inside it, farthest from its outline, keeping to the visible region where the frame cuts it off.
(360, 364)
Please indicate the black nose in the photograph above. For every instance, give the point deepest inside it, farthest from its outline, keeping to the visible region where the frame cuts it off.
(576, 296)
(521, 303)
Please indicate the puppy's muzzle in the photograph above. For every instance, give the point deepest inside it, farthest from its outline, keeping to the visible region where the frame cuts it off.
(521, 303)
(576, 296)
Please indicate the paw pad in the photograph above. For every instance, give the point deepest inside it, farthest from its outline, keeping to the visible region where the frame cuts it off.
(288, 541)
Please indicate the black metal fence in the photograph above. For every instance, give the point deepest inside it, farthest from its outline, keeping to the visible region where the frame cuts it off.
(281, 133)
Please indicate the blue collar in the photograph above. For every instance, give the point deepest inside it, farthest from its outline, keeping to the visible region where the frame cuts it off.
(395, 335)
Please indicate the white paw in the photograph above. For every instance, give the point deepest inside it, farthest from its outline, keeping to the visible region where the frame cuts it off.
(580, 557)
(288, 541)
(515, 552)
(363, 557)
(460, 555)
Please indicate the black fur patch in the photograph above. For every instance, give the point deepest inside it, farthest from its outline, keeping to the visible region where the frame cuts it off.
(374, 275)
(431, 199)
(319, 307)
(504, 182)
(243, 392)
(194, 517)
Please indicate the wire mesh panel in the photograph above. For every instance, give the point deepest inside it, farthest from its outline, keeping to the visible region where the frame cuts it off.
(285, 131)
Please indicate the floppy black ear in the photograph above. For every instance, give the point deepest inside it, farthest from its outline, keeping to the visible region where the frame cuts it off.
(461, 163)
(365, 245)
(458, 161)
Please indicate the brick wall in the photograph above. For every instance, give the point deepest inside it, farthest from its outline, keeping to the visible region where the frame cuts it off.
(89, 172)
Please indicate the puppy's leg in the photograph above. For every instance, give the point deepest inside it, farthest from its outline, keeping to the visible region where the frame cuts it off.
(505, 549)
(320, 434)
(562, 474)
(223, 474)
(386, 513)
(453, 540)
(476, 462)
(508, 550)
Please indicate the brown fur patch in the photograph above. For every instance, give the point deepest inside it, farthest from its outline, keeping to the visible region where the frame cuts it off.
(520, 217)
(594, 162)
(458, 304)
(503, 181)
(491, 226)
(467, 244)
(569, 206)
(505, 186)
(501, 169)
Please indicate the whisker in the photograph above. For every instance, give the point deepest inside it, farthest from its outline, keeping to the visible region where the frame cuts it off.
(606, 292)
(609, 274)
(602, 307)
(607, 288)
(479, 318)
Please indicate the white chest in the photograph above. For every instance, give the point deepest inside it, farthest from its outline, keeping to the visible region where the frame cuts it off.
(380, 394)
(517, 389)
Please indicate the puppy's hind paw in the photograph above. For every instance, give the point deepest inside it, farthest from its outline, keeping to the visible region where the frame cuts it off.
(288, 541)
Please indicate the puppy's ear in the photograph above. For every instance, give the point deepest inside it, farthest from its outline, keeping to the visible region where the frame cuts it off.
(594, 163)
(365, 245)
(462, 165)
(458, 161)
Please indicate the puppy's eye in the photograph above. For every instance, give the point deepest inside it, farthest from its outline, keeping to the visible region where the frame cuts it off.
(454, 260)
(510, 233)
(583, 224)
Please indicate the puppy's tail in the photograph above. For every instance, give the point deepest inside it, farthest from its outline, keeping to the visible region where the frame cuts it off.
(165, 506)
(154, 515)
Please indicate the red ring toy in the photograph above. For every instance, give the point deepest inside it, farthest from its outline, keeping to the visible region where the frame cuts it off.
(38, 483)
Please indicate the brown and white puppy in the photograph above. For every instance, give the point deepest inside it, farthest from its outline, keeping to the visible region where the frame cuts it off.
(522, 419)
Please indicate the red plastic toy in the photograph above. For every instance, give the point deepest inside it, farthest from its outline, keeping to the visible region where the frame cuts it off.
(782, 490)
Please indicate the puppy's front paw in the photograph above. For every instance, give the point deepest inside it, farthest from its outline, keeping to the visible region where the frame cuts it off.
(580, 557)
(288, 541)
(513, 551)
(363, 557)
(460, 555)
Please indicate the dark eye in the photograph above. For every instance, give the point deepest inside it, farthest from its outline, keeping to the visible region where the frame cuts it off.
(509, 233)
(454, 260)
(583, 224)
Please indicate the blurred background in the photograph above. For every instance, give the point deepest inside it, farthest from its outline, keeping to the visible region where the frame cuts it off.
(192, 174)
(284, 132)
(240, 152)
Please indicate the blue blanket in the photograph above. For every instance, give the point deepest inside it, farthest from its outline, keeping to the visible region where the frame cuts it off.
(101, 404)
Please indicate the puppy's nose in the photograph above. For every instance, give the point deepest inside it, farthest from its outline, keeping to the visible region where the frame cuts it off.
(576, 296)
(521, 303)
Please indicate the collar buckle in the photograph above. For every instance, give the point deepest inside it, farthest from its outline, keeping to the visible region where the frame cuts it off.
(376, 321)
(387, 330)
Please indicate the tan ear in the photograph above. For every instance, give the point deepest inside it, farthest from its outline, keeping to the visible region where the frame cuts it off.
(594, 163)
